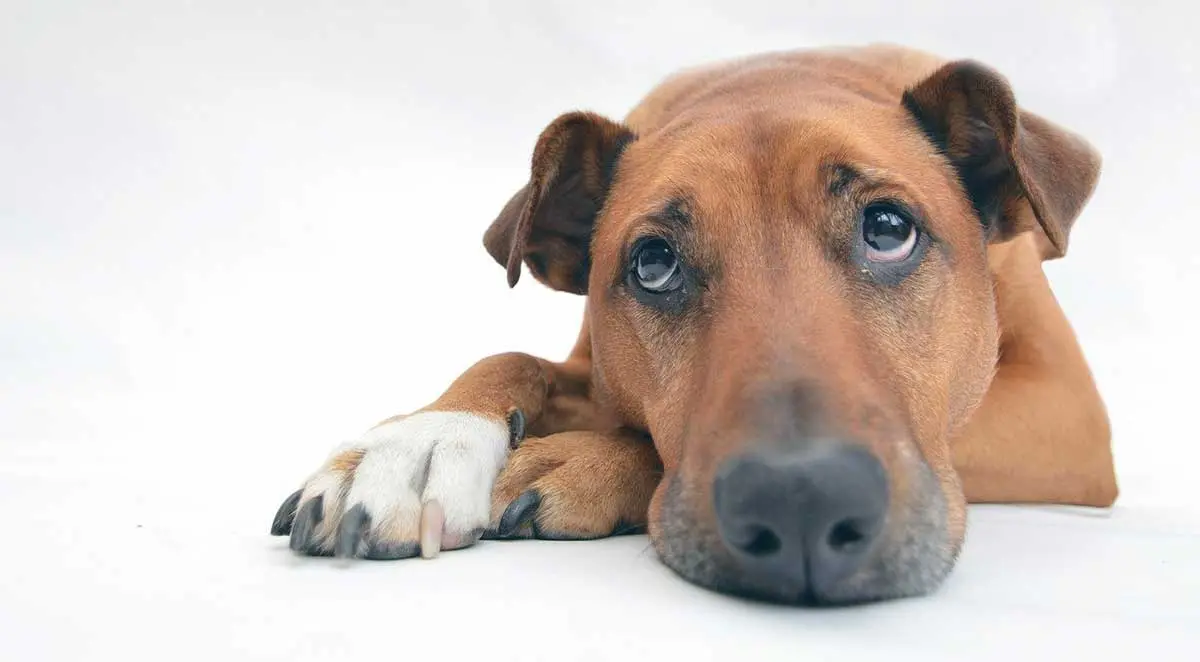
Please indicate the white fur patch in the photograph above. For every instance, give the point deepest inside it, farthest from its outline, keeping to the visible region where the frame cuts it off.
(452, 458)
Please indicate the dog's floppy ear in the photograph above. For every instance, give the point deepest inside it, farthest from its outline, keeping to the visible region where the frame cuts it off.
(1011, 162)
(548, 223)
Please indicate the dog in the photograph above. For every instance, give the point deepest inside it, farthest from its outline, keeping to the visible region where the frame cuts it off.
(816, 327)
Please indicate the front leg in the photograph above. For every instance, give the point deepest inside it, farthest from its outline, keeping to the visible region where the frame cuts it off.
(576, 486)
(423, 482)
(1041, 434)
(1037, 438)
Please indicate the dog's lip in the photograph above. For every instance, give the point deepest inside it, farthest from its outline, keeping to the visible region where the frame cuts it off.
(784, 585)
(795, 595)
(797, 590)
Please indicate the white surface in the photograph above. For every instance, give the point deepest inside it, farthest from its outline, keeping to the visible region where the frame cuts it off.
(231, 237)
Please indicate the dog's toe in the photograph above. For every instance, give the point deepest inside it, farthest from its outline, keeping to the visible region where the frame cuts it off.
(352, 533)
(308, 518)
(282, 524)
(419, 485)
(573, 486)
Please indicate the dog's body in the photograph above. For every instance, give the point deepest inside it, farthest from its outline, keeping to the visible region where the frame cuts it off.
(817, 327)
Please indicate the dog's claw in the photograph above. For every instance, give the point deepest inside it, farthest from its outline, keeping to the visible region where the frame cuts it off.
(307, 519)
(519, 513)
(433, 519)
(351, 532)
(282, 524)
(516, 428)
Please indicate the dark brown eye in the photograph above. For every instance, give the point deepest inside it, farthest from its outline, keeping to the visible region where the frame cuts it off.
(655, 266)
(889, 234)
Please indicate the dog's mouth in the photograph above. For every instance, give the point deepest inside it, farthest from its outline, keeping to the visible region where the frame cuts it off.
(907, 552)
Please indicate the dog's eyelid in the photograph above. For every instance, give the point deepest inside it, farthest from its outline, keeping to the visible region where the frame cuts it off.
(651, 231)
(672, 222)
(915, 214)
(901, 205)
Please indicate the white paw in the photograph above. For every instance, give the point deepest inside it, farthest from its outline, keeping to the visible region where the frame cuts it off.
(419, 484)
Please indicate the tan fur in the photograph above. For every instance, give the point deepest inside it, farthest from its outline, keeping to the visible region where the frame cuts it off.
(347, 461)
(592, 484)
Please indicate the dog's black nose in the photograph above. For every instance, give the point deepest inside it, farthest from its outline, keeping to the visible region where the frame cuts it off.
(804, 518)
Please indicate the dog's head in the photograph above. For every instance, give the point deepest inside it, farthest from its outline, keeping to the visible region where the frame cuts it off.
(793, 297)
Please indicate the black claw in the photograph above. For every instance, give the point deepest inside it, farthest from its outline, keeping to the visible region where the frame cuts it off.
(519, 513)
(516, 428)
(390, 551)
(307, 519)
(282, 524)
(624, 529)
(351, 532)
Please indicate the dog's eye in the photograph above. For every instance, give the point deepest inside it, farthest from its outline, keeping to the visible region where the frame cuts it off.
(655, 266)
(889, 234)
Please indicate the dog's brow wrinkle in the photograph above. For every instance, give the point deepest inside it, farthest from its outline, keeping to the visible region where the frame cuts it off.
(846, 180)
(675, 213)
(844, 177)
(841, 176)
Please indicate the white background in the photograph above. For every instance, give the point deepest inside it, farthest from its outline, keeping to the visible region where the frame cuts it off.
(233, 234)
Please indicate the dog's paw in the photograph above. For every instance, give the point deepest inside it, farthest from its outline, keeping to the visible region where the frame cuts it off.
(419, 484)
(575, 486)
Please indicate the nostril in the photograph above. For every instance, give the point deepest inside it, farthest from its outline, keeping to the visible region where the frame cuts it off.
(846, 535)
(764, 542)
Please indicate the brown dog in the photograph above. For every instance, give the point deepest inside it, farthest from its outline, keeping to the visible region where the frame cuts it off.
(817, 326)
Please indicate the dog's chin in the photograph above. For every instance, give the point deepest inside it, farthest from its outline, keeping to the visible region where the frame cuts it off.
(912, 559)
